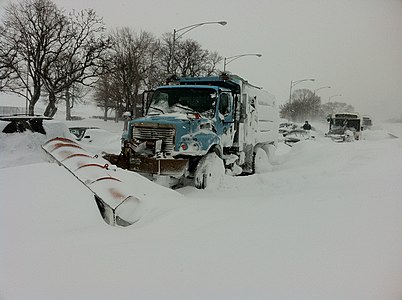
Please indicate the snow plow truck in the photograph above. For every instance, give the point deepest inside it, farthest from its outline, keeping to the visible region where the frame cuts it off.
(344, 127)
(194, 128)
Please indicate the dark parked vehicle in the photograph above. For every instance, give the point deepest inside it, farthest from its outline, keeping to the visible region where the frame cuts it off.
(22, 123)
(297, 135)
(79, 132)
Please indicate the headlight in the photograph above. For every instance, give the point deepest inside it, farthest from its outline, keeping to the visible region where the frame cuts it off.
(189, 147)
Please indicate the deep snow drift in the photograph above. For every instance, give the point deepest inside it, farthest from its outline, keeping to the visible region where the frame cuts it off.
(324, 222)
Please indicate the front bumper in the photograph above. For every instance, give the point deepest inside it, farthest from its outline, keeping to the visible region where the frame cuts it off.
(159, 166)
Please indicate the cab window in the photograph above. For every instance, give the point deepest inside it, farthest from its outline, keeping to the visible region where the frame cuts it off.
(225, 103)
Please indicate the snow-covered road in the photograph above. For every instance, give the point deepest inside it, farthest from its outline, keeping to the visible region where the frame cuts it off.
(324, 223)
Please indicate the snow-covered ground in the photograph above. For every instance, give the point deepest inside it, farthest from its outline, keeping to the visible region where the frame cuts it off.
(324, 222)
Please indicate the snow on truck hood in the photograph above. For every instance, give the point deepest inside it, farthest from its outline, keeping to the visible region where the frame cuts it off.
(177, 119)
(172, 116)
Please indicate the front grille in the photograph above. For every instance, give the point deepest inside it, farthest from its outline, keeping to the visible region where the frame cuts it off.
(153, 132)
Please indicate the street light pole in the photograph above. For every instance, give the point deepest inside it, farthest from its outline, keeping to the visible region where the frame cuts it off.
(293, 83)
(185, 30)
(330, 97)
(228, 60)
(324, 87)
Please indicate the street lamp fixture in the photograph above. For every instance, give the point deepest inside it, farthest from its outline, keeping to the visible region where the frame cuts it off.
(184, 30)
(330, 97)
(228, 60)
(323, 87)
(293, 83)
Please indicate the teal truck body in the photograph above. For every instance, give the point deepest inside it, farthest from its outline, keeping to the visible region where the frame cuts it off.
(195, 125)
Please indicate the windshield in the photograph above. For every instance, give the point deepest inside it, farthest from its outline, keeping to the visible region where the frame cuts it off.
(343, 124)
(183, 100)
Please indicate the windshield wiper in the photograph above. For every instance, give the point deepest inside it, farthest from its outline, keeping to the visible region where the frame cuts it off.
(185, 107)
(157, 108)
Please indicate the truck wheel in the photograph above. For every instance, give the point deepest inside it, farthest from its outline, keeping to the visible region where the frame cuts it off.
(260, 161)
(209, 171)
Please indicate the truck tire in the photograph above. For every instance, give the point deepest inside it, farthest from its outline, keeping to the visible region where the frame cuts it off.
(270, 150)
(261, 162)
(209, 171)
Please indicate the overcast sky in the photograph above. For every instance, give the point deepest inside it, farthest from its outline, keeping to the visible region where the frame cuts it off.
(354, 46)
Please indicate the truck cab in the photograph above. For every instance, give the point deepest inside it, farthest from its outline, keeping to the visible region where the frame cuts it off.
(194, 121)
(367, 123)
(341, 124)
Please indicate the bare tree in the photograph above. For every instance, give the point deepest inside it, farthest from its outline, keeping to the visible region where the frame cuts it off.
(49, 49)
(155, 73)
(134, 66)
(77, 58)
(105, 94)
(165, 55)
(335, 107)
(71, 96)
(211, 64)
(188, 57)
(7, 61)
(141, 62)
(305, 105)
(32, 30)
(191, 60)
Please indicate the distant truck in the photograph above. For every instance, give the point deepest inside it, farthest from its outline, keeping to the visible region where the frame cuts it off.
(197, 126)
(344, 126)
(366, 122)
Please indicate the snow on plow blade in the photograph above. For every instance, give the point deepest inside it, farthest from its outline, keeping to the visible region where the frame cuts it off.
(117, 206)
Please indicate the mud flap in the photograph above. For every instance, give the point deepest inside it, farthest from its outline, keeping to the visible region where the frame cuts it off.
(116, 205)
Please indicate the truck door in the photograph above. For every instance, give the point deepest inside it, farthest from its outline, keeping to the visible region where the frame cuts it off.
(226, 119)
